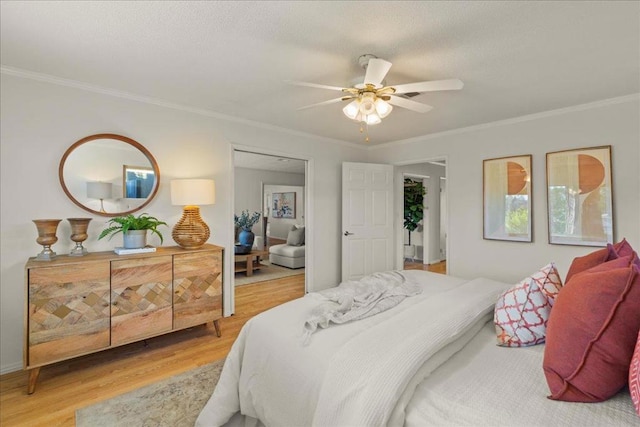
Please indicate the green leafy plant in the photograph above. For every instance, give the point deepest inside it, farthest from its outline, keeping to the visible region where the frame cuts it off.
(245, 221)
(413, 204)
(122, 224)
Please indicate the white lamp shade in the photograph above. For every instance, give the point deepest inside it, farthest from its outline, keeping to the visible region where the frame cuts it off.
(186, 192)
(382, 108)
(351, 110)
(99, 190)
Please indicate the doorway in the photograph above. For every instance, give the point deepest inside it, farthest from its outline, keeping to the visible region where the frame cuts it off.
(271, 190)
(428, 247)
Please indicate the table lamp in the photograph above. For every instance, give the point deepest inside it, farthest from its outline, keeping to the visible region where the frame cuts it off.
(191, 232)
(99, 190)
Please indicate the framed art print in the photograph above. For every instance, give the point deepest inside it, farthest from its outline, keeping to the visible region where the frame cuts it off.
(284, 205)
(507, 199)
(579, 197)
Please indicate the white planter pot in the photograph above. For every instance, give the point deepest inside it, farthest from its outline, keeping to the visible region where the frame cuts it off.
(134, 239)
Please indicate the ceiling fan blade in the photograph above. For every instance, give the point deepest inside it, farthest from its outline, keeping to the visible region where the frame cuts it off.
(452, 84)
(409, 104)
(315, 85)
(376, 70)
(331, 101)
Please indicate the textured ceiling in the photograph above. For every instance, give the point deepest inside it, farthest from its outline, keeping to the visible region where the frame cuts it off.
(232, 58)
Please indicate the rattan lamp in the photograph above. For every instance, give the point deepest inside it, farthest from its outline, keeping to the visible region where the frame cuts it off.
(191, 232)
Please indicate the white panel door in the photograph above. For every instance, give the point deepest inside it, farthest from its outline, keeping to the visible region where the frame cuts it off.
(367, 219)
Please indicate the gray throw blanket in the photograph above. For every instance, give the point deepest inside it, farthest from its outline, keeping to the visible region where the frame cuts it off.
(358, 299)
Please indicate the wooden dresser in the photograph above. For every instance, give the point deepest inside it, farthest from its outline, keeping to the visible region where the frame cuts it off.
(81, 305)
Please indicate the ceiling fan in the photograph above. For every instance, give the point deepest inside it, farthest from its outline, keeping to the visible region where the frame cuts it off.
(372, 100)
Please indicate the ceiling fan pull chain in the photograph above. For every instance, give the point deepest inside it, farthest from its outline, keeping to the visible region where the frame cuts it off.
(364, 128)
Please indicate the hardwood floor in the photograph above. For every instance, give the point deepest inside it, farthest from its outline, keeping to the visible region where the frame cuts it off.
(66, 386)
(439, 267)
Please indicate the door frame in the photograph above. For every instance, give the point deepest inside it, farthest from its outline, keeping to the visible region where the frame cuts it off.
(399, 206)
(229, 278)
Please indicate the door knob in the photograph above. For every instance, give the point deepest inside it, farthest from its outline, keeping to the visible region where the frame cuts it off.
(346, 233)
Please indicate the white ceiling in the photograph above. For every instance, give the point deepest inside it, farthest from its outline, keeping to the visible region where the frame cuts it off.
(232, 58)
(243, 159)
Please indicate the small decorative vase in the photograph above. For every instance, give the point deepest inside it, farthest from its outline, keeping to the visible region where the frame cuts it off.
(46, 237)
(245, 237)
(79, 234)
(135, 239)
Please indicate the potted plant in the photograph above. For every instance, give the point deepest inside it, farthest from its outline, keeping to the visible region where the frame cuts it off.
(245, 237)
(414, 193)
(133, 229)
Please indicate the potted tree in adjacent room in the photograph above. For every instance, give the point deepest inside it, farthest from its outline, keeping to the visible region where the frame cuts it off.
(414, 193)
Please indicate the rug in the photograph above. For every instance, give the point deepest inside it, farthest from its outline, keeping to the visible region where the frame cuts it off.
(173, 402)
(268, 272)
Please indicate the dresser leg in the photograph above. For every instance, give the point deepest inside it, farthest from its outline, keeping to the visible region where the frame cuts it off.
(216, 324)
(33, 377)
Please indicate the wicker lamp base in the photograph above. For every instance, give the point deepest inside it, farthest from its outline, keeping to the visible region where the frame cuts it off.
(191, 232)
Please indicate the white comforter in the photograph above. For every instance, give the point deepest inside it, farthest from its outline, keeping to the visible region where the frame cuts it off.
(359, 373)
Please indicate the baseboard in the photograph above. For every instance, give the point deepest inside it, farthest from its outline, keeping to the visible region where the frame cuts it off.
(435, 261)
(12, 367)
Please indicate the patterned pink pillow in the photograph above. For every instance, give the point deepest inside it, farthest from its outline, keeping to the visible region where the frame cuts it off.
(522, 311)
(634, 376)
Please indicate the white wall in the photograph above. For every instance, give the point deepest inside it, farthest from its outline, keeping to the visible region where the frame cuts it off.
(41, 120)
(248, 190)
(613, 122)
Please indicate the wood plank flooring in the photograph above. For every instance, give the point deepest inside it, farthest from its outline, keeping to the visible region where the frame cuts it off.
(439, 267)
(66, 386)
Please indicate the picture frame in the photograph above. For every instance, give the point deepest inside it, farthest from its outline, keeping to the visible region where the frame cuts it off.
(507, 198)
(580, 197)
(137, 181)
(283, 205)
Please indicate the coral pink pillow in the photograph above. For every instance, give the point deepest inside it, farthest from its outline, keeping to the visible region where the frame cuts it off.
(623, 248)
(634, 376)
(591, 334)
(522, 311)
(591, 260)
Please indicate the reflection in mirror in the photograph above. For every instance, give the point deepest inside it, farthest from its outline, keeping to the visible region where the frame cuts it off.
(137, 181)
(95, 173)
(507, 198)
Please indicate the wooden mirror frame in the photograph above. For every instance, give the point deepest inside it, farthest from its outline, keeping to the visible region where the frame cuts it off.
(126, 140)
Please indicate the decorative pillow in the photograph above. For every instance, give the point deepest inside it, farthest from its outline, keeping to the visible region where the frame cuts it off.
(634, 376)
(591, 260)
(522, 311)
(295, 237)
(623, 248)
(591, 334)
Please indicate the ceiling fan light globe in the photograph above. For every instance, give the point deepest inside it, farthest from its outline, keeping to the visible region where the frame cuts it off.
(383, 108)
(351, 110)
(372, 119)
(367, 107)
(367, 103)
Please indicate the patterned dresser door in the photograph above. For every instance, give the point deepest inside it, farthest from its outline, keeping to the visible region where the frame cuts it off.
(197, 288)
(140, 298)
(68, 311)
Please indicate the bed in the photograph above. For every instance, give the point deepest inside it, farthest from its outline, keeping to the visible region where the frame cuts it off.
(431, 359)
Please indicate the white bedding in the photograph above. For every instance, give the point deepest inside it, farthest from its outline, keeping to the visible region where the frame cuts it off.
(498, 386)
(366, 372)
(350, 374)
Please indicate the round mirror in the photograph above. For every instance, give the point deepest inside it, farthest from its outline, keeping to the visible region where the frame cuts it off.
(109, 175)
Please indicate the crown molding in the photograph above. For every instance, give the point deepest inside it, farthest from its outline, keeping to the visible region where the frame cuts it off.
(31, 75)
(505, 122)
